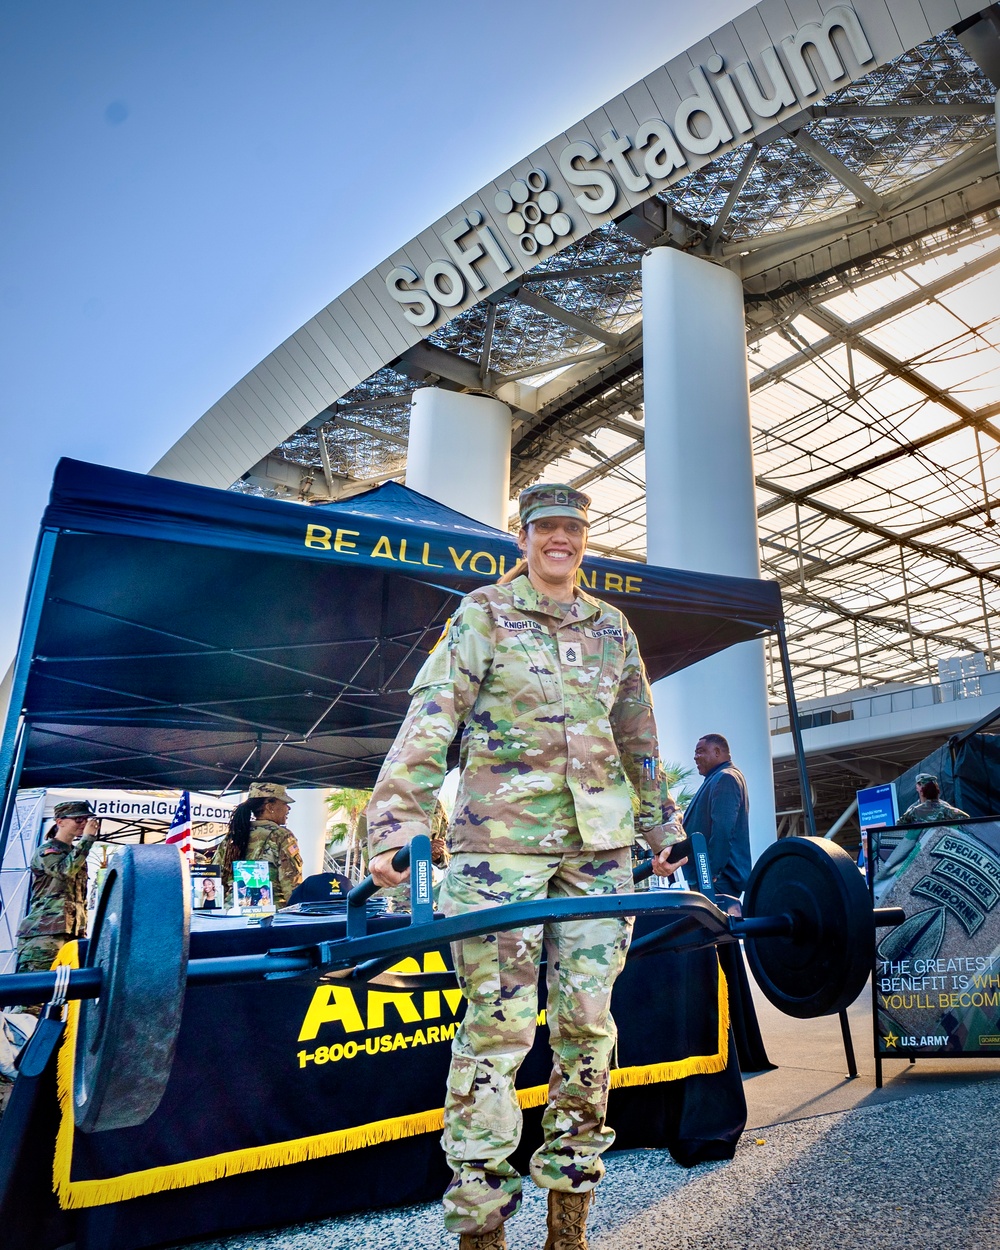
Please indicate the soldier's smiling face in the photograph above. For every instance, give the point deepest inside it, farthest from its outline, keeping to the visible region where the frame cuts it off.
(554, 548)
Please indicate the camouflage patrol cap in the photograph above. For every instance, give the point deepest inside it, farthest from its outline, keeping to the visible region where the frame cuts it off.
(922, 777)
(73, 807)
(269, 790)
(552, 499)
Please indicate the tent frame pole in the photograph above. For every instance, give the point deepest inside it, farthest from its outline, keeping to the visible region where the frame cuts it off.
(10, 795)
(793, 720)
(810, 815)
(16, 728)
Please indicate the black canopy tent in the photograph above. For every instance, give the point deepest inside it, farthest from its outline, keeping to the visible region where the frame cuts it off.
(178, 636)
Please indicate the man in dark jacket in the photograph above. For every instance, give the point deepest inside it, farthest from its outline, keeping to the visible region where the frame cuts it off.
(721, 811)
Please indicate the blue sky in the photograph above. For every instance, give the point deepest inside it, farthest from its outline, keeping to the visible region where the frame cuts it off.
(186, 183)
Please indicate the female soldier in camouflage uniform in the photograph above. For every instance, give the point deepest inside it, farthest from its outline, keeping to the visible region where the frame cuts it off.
(58, 910)
(257, 831)
(550, 686)
(930, 806)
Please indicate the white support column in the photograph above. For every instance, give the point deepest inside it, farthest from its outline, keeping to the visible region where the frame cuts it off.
(459, 452)
(307, 820)
(700, 507)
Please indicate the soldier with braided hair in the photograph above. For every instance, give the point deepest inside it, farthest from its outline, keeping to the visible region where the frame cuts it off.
(257, 831)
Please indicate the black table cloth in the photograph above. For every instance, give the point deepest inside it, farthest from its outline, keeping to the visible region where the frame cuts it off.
(290, 1101)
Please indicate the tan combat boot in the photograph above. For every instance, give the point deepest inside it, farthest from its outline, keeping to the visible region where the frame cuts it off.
(493, 1240)
(567, 1220)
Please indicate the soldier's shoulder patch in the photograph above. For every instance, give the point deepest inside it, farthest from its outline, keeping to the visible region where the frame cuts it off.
(444, 635)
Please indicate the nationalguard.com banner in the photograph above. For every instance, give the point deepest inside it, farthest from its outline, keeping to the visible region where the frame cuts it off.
(937, 977)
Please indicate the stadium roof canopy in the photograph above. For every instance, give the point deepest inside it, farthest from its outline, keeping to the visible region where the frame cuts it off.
(842, 159)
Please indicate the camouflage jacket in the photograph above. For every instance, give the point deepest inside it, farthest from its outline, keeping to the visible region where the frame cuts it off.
(274, 843)
(556, 708)
(400, 894)
(931, 809)
(58, 889)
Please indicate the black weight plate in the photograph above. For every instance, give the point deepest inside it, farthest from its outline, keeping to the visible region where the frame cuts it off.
(824, 965)
(126, 1038)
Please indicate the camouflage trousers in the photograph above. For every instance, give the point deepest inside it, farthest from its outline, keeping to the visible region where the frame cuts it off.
(36, 953)
(498, 974)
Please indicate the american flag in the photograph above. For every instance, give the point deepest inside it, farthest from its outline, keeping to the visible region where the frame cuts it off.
(179, 832)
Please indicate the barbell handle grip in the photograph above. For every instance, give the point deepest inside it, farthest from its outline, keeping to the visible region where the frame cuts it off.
(357, 916)
(642, 870)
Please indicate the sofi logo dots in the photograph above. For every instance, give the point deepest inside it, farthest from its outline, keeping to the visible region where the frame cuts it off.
(533, 213)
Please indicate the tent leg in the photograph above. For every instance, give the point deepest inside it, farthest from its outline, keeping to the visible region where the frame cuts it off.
(793, 719)
(845, 1031)
(15, 732)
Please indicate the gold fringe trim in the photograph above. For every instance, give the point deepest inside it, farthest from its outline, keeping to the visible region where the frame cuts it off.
(63, 1159)
(695, 1065)
(75, 1195)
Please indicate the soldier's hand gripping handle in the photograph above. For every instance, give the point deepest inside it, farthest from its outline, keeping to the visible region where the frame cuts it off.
(384, 870)
(668, 844)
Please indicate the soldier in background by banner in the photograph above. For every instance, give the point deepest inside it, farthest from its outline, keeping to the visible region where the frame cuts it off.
(257, 831)
(930, 805)
(551, 689)
(57, 912)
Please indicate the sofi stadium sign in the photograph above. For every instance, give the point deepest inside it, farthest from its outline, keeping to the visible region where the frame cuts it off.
(528, 216)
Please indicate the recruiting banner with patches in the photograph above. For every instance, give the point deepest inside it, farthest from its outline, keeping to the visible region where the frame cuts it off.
(278, 1073)
(937, 976)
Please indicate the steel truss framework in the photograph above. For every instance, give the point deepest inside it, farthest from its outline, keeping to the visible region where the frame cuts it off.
(866, 234)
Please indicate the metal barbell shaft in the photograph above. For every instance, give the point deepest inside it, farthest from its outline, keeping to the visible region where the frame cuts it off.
(763, 926)
(36, 987)
(345, 952)
(231, 968)
(39, 987)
